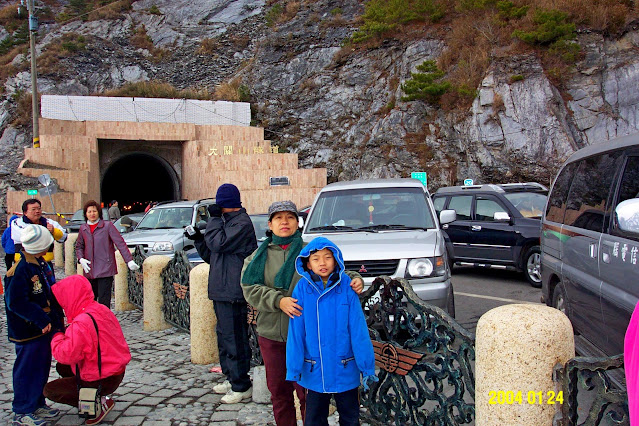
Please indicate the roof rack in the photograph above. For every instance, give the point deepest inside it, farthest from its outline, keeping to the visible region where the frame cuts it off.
(169, 201)
(203, 199)
(524, 186)
(471, 188)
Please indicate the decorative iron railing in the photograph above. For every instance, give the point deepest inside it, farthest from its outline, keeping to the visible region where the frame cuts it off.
(588, 395)
(256, 354)
(424, 360)
(136, 279)
(175, 291)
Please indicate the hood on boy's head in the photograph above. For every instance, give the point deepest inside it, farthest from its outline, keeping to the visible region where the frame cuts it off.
(318, 243)
(74, 294)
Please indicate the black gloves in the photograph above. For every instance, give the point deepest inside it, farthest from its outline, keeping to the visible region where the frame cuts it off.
(215, 210)
(193, 233)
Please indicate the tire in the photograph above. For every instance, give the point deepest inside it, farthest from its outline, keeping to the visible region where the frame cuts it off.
(559, 299)
(532, 266)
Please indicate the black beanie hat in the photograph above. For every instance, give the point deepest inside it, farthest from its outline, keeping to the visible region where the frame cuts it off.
(228, 196)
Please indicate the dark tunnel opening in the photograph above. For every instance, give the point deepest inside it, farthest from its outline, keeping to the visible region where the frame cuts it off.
(136, 180)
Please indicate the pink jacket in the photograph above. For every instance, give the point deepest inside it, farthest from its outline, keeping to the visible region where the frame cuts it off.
(78, 344)
(631, 366)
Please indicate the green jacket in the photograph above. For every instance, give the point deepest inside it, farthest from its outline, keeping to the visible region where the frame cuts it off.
(272, 322)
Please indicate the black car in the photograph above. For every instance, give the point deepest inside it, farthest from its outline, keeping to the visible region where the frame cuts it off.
(497, 225)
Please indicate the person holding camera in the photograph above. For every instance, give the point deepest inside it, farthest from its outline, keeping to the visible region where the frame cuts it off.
(91, 353)
(229, 238)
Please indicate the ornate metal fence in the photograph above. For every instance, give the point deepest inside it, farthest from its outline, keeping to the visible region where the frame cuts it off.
(136, 279)
(424, 356)
(256, 354)
(175, 290)
(583, 376)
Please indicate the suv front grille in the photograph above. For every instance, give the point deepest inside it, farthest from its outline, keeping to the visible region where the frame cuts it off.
(372, 268)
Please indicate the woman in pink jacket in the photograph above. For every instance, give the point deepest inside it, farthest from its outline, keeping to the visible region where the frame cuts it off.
(78, 347)
(95, 251)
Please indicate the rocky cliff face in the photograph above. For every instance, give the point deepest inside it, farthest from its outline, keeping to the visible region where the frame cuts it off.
(343, 111)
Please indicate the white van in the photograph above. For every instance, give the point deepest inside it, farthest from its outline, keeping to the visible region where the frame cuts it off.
(387, 227)
(590, 244)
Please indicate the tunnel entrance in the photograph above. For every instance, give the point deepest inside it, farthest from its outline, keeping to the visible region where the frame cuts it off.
(137, 179)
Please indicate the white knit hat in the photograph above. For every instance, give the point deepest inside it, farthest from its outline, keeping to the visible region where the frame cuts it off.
(36, 239)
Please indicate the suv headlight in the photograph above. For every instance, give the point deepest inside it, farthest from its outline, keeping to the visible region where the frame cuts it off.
(163, 246)
(426, 267)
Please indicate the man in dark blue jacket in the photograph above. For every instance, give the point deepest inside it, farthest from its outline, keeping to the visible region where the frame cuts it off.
(229, 238)
(33, 315)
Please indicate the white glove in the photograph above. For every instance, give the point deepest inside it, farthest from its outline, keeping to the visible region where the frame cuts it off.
(85, 265)
(133, 266)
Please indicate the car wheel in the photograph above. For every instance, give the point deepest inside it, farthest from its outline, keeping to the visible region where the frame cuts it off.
(559, 299)
(532, 266)
(450, 307)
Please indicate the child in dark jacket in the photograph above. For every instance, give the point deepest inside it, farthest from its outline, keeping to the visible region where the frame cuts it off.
(328, 346)
(33, 315)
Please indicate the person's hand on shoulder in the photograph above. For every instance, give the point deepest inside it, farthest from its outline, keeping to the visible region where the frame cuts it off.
(290, 307)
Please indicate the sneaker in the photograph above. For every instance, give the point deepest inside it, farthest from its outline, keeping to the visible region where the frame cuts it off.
(222, 388)
(28, 420)
(233, 397)
(47, 412)
(105, 407)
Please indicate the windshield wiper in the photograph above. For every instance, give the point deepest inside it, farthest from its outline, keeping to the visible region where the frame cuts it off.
(332, 228)
(382, 227)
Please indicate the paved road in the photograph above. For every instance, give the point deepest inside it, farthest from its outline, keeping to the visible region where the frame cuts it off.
(478, 290)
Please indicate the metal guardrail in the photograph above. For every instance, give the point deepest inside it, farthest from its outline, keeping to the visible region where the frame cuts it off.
(424, 358)
(136, 279)
(582, 376)
(175, 291)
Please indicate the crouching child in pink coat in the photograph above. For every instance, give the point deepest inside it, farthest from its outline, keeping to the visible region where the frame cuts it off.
(78, 347)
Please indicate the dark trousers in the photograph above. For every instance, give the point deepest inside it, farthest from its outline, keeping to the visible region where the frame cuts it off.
(347, 406)
(30, 374)
(233, 343)
(274, 355)
(102, 290)
(9, 259)
(65, 389)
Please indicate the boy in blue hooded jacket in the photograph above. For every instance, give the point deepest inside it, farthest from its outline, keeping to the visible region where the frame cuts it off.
(328, 346)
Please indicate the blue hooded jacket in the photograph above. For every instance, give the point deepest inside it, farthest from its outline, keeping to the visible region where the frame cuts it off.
(7, 243)
(328, 346)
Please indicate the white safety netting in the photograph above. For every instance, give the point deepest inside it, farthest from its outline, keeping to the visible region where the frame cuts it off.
(153, 110)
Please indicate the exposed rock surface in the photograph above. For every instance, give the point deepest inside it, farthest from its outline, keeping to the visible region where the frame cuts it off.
(344, 111)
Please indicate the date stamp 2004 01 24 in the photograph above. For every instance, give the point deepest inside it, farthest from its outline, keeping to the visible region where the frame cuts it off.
(529, 397)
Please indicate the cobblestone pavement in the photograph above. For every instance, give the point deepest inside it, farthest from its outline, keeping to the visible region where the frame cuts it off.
(161, 385)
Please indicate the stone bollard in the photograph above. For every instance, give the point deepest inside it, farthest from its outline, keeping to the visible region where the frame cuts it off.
(58, 255)
(261, 394)
(516, 348)
(153, 300)
(70, 266)
(121, 284)
(203, 320)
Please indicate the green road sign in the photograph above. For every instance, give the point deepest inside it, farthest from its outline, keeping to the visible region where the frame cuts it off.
(420, 176)
(32, 192)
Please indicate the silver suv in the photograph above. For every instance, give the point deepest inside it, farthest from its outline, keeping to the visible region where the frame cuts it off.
(387, 227)
(161, 230)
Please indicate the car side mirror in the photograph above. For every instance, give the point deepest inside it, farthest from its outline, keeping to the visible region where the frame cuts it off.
(627, 215)
(501, 216)
(447, 216)
(301, 222)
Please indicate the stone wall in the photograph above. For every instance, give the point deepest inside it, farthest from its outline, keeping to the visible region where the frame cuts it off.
(210, 155)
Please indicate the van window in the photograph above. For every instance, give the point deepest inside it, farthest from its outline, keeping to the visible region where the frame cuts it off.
(587, 202)
(629, 188)
(461, 205)
(557, 199)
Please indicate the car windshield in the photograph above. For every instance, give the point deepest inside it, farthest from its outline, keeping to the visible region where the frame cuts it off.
(166, 218)
(529, 204)
(378, 209)
(260, 223)
(78, 215)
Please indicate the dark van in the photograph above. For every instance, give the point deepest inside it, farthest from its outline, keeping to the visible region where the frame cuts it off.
(590, 244)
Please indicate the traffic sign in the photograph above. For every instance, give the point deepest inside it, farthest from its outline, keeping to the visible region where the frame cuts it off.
(468, 182)
(32, 192)
(420, 176)
(48, 190)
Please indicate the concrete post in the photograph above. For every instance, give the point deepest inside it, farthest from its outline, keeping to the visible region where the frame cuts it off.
(70, 267)
(121, 284)
(58, 254)
(516, 348)
(261, 394)
(203, 319)
(153, 301)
